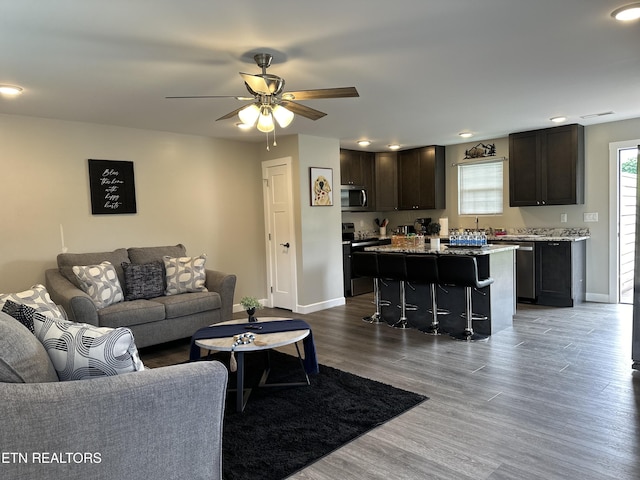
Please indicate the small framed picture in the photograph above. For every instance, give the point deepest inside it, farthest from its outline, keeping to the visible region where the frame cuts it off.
(321, 180)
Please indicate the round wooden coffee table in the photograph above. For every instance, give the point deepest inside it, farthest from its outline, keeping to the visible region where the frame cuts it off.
(262, 341)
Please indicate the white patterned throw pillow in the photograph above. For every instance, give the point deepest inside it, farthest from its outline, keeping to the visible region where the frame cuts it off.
(185, 274)
(79, 351)
(100, 282)
(37, 298)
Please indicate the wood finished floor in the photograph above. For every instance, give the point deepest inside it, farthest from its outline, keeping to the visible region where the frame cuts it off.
(554, 397)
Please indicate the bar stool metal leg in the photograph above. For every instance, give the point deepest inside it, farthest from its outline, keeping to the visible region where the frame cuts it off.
(402, 323)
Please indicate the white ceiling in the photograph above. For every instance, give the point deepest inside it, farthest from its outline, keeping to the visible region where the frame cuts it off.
(425, 69)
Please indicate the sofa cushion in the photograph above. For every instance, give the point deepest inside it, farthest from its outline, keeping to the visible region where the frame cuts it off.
(80, 351)
(37, 298)
(22, 313)
(23, 359)
(185, 274)
(100, 282)
(189, 303)
(66, 262)
(143, 280)
(155, 254)
(131, 313)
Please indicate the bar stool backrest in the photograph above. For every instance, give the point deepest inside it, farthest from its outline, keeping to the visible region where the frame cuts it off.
(365, 264)
(392, 266)
(422, 269)
(460, 270)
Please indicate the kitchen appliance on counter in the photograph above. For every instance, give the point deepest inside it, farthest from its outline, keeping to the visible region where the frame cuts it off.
(354, 285)
(420, 225)
(354, 198)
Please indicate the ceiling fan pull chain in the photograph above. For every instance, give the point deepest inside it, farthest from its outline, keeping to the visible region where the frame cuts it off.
(267, 134)
(275, 144)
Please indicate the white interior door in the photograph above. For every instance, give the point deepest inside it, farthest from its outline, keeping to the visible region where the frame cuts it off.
(280, 241)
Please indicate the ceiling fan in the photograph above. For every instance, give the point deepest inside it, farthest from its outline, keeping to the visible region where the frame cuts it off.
(269, 100)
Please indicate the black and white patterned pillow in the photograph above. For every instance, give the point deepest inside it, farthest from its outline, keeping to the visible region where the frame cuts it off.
(37, 298)
(143, 280)
(185, 274)
(100, 282)
(22, 313)
(79, 351)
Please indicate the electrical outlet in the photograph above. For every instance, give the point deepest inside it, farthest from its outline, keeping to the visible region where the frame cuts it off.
(563, 218)
(590, 216)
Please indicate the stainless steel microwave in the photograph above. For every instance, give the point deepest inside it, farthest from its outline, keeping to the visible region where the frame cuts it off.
(353, 198)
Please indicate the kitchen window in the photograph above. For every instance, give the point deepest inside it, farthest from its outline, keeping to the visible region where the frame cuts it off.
(480, 188)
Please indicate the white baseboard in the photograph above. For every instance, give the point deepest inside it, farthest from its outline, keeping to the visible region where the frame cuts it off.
(598, 298)
(315, 307)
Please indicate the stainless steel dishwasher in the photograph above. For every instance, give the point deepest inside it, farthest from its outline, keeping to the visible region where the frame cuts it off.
(525, 269)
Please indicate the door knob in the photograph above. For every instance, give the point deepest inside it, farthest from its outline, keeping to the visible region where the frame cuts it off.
(285, 244)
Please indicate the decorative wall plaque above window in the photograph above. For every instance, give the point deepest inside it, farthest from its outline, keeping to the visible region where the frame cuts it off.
(112, 185)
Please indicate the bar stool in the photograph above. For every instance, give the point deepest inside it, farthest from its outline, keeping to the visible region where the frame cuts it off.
(365, 264)
(393, 266)
(423, 269)
(462, 271)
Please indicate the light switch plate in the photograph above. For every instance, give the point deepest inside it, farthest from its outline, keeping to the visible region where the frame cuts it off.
(590, 216)
(563, 218)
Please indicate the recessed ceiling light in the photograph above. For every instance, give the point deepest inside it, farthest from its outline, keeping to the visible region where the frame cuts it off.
(364, 143)
(10, 90)
(594, 115)
(466, 134)
(627, 13)
(558, 119)
(393, 146)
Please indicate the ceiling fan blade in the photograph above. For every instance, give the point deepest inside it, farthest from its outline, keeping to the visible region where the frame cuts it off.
(257, 83)
(216, 96)
(340, 92)
(302, 110)
(231, 114)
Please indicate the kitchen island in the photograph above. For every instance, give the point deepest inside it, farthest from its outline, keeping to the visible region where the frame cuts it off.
(497, 302)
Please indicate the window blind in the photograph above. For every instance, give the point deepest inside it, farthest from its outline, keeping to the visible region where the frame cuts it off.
(480, 188)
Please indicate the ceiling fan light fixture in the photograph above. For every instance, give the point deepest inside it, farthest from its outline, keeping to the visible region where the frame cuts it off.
(265, 121)
(627, 13)
(283, 116)
(244, 126)
(249, 114)
(10, 90)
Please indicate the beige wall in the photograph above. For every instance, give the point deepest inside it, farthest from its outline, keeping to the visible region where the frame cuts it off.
(203, 192)
(317, 229)
(597, 139)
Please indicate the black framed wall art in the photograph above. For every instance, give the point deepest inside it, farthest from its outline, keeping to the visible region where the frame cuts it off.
(113, 189)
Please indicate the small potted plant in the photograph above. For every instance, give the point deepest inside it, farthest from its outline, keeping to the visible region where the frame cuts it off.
(433, 230)
(250, 304)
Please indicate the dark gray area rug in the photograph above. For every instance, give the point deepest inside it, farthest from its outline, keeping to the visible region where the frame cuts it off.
(283, 430)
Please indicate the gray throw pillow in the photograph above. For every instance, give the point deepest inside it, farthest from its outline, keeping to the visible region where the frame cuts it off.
(143, 281)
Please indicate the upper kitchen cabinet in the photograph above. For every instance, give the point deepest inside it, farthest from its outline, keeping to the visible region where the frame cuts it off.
(386, 173)
(357, 168)
(546, 167)
(421, 178)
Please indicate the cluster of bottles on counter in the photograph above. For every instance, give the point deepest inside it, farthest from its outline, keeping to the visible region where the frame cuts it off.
(467, 238)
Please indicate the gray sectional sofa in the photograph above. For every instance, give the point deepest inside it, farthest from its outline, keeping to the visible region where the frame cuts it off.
(152, 320)
(163, 423)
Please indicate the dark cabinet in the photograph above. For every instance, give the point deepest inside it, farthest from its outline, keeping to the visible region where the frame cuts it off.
(357, 168)
(421, 178)
(546, 167)
(386, 181)
(560, 273)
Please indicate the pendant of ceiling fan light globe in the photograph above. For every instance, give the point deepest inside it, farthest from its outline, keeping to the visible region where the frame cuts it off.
(283, 116)
(249, 114)
(265, 121)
